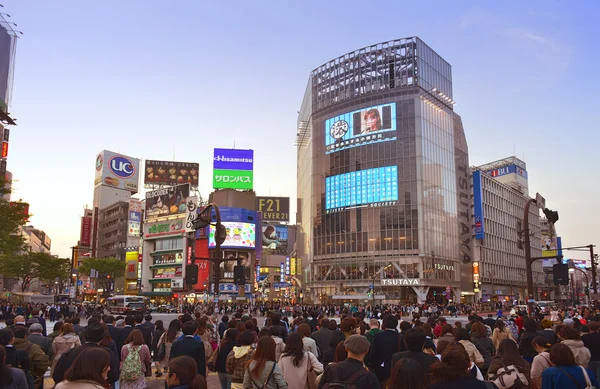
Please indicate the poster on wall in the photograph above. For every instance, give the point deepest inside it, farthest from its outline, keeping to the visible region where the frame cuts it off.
(275, 239)
(167, 201)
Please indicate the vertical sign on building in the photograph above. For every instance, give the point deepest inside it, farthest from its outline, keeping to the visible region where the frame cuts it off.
(233, 169)
(287, 266)
(203, 268)
(476, 276)
(191, 206)
(282, 272)
(85, 238)
(135, 217)
(478, 205)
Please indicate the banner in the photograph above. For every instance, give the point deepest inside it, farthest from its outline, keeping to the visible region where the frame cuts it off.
(135, 217)
(233, 159)
(86, 231)
(191, 213)
(170, 173)
(274, 239)
(478, 205)
(167, 201)
(275, 209)
(131, 265)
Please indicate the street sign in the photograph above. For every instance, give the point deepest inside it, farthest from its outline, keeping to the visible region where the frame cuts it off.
(540, 201)
(531, 300)
(79, 282)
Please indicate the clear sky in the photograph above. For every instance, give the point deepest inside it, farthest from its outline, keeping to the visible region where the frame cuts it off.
(174, 79)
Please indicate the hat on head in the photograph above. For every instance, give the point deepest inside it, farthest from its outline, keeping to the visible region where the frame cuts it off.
(357, 344)
(95, 333)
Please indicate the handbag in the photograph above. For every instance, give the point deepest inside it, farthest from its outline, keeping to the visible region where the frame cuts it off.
(588, 384)
(509, 376)
(212, 361)
(311, 376)
(148, 372)
(266, 381)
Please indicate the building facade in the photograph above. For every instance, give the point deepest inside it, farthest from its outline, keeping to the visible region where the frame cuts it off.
(498, 210)
(112, 231)
(382, 172)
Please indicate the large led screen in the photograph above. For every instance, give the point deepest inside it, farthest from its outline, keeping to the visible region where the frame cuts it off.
(239, 235)
(378, 187)
(361, 127)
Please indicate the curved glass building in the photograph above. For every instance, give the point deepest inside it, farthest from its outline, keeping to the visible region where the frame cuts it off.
(384, 193)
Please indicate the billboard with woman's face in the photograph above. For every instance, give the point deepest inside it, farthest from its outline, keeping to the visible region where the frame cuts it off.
(361, 127)
(275, 239)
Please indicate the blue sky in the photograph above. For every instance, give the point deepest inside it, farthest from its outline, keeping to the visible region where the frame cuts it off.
(164, 80)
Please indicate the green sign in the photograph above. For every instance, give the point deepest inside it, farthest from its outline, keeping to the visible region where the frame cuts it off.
(232, 179)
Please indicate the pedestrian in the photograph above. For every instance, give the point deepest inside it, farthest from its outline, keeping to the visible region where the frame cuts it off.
(298, 365)
(407, 373)
(415, 341)
(10, 377)
(566, 373)
(483, 344)
(157, 332)
(165, 342)
(541, 361)
(309, 343)
(56, 331)
(500, 333)
(39, 360)
(385, 345)
(238, 358)
(220, 357)
(336, 338)
(223, 326)
(530, 331)
(454, 371)
(570, 337)
(35, 336)
(263, 371)
(89, 371)
(462, 337)
(136, 361)
(183, 374)
(191, 346)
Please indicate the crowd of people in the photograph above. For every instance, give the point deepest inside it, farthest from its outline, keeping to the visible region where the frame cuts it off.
(361, 348)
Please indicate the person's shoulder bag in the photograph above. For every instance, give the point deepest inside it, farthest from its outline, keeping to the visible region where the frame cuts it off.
(266, 380)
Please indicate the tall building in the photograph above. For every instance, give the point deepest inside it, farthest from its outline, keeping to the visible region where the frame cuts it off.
(383, 178)
(112, 231)
(8, 49)
(499, 204)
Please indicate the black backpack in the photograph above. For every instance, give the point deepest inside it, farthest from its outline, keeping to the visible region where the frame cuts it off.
(348, 384)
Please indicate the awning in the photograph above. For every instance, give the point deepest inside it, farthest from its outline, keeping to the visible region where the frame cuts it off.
(155, 280)
(157, 293)
(165, 265)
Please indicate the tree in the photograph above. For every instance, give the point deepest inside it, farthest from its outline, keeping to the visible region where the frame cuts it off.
(13, 215)
(30, 266)
(108, 269)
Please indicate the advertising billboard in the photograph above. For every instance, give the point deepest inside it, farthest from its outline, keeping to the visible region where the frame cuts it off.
(117, 171)
(239, 235)
(7, 58)
(86, 231)
(274, 209)
(135, 217)
(361, 127)
(4, 152)
(549, 247)
(169, 227)
(275, 239)
(170, 173)
(378, 187)
(233, 179)
(131, 265)
(478, 205)
(509, 169)
(191, 212)
(233, 159)
(167, 201)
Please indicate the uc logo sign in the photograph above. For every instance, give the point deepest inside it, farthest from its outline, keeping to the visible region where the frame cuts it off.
(121, 167)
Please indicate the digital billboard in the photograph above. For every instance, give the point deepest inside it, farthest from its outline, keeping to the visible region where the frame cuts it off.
(239, 235)
(117, 171)
(378, 187)
(274, 209)
(167, 201)
(232, 179)
(170, 173)
(275, 239)
(361, 127)
(478, 205)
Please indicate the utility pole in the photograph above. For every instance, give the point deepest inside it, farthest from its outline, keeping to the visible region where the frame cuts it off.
(593, 264)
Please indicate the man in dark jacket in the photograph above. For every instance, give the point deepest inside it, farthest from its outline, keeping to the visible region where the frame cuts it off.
(145, 330)
(93, 335)
(490, 321)
(385, 345)
(125, 331)
(114, 332)
(592, 342)
(322, 336)
(313, 322)
(35, 314)
(35, 336)
(415, 340)
(190, 346)
(351, 371)
(39, 359)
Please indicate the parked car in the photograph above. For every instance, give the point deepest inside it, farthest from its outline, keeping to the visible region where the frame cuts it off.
(167, 309)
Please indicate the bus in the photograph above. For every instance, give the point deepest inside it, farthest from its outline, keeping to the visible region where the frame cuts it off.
(127, 304)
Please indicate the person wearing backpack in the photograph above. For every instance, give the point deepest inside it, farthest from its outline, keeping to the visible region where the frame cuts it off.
(135, 357)
(506, 360)
(351, 373)
(262, 371)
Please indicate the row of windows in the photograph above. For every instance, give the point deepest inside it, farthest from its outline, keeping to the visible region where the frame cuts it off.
(402, 239)
(168, 244)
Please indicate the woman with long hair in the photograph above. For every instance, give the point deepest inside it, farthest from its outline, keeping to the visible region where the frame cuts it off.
(167, 338)
(407, 373)
(239, 357)
(570, 337)
(63, 343)
(566, 373)
(335, 338)
(462, 337)
(541, 361)
(500, 333)
(309, 343)
(10, 377)
(454, 371)
(508, 354)
(275, 332)
(132, 373)
(263, 371)
(89, 371)
(295, 363)
(220, 357)
(447, 333)
(183, 374)
(483, 344)
(56, 331)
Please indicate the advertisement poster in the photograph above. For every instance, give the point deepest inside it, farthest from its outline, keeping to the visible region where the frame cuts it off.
(226, 267)
(275, 239)
(170, 173)
(274, 209)
(167, 201)
(191, 213)
(233, 179)
(117, 171)
(478, 205)
(135, 217)
(239, 235)
(86, 231)
(164, 228)
(549, 248)
(233, 159)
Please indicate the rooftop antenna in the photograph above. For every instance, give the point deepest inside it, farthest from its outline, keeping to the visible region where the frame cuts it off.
(234, 144)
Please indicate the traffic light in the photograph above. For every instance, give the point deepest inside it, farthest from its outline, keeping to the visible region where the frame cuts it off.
(239, 277)
(220, 234)
(191, 274)
(551, 215)
(560, 273)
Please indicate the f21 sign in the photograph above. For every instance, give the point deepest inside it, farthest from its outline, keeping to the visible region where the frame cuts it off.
(274, 209)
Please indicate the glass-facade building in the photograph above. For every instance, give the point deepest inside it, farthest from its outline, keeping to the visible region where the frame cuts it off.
(383, 178)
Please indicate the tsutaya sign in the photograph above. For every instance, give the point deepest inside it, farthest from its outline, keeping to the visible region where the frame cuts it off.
(400, 282)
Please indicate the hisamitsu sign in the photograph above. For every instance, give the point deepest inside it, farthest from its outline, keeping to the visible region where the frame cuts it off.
(233, 159)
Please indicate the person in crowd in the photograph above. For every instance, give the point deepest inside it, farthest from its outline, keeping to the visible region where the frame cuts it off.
(462, 337)
(373, 330)
(148, 322)
(309, 343)
(10, 377)
(592, 342)
(15, 358)
(295, 363)
(443, 345)
(94, 334)
(490, 322)
(541, 361)
(263, 371)
(157, 332)
(429, 346)
(407, 373)
(530, 331)
(124, 332)
(336, 338)
(454, 372)
(56, 331)
(437, 330)
(500, 333)
(352, 370)
(275, 333)
(547, 331)
(145, 330)
(276, 321)
(190, 346)
(35, 336)
(183, 374)
(223, 326)
(39, 360)
(448, 333)
(565, 372)
(385, 345)
(313, 322)
(483, 344)
(508, 354)
(227, 344)
(348, 326)
(114, 331)
(35, 314)
(167, 338)
(136, 360)
(63, 343)
(570, 337)
(415, 341)
(84, 374)
(77, 328)
(404, 326)
(238, 359)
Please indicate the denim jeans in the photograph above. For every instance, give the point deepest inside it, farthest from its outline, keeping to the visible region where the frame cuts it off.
(225, 380)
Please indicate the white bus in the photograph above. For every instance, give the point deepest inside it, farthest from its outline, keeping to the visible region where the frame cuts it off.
(127, 304)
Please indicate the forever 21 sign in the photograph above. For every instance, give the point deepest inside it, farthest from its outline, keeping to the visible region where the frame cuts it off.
(274, 209)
